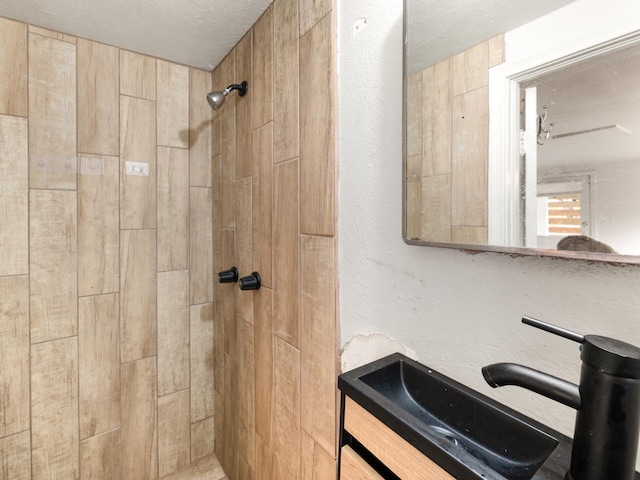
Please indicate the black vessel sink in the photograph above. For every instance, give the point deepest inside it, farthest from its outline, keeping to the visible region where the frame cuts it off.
(467, 433)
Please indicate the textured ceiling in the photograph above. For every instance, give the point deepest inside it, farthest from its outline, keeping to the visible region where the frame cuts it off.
(197, 33)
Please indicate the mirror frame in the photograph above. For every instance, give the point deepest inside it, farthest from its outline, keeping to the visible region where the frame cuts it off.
(503, 87)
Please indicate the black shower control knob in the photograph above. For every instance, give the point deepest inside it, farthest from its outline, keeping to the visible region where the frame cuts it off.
(228, 276)
(250, 282)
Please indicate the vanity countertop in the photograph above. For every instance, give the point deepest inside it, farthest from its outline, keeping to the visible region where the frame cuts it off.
(350, 383)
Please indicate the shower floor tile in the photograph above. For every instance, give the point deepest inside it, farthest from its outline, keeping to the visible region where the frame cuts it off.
(206, 469)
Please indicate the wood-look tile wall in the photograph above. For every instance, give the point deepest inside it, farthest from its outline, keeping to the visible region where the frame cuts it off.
(276, 354)
(106, 297)
(447, 147)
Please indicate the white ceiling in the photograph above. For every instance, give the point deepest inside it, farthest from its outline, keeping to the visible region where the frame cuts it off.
(198, 33)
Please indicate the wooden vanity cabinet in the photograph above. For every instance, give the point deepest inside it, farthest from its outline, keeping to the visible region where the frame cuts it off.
(394, 452)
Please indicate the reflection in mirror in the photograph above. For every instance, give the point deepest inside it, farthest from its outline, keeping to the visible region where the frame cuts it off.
(566, 184)
(588, 168)
(447, 135)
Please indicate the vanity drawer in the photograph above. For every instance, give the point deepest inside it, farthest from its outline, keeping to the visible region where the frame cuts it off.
(354, 467)
(391, 449)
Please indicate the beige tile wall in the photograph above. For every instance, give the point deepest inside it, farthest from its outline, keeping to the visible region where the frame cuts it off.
(447, 147)
(276, 357)
(106, 279)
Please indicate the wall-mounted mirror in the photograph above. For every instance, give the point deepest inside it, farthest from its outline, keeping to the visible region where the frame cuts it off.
(522, 134)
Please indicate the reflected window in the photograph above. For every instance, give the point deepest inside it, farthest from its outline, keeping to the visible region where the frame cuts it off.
(564, 208)
(559, 215)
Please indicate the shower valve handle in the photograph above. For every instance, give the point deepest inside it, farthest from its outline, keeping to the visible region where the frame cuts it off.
(228, 276)
(250, 282)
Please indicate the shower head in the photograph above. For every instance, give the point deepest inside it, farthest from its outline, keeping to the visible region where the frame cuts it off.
(216, 99)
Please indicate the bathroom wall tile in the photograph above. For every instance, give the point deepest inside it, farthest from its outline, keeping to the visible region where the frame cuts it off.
(220, 441)
(216, 139)
(470, 69)
(216, 216)
(414, 189)
(286, 253)
(137, 294)
(316, 462)
(244, 230)
(264, 372)
(54, 409)
(246, 392)
(98, 116)
(14, 208)
(200, 130)
(98, 225)
(318, 349)
(287, 410)
(173, 104)
(219, 338)
(53, 264)
(99, 364)
(311, 11)
(496, 50)
(173, 332)
(137, 144)
(201, 245)
(100, 456)
(15, 457)
(137, 75)
(469, 153)
(173, 209)
(201, 361)
(52, 34)
(414, 110)
(262, 100)
(139, 422)
(435, 209)
(174, 432)
(13, 68)
(244, 242)
(246, 471)
(202, 438)
(230, 418)
(228, 146)
(264, 461)
(273, 449)
(414, 167)
(469, 234)
(316, 131)
(286, 78)
(14, 352)
(52, 113)
(243, 70)
(263, 202)
(436, 119)
(229, 295)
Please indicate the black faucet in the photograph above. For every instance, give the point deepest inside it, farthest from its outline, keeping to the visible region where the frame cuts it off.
(605, 441)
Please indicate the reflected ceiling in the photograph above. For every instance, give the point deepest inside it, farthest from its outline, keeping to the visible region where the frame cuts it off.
(444, 28)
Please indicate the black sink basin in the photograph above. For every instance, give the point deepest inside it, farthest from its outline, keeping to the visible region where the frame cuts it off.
(467, 433)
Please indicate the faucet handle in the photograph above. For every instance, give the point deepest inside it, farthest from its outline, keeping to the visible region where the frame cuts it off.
(548, 327)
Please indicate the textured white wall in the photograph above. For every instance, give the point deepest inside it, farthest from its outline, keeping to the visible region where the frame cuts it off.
(454, 311)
